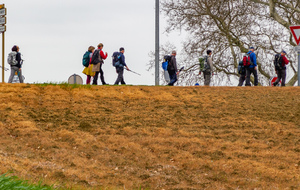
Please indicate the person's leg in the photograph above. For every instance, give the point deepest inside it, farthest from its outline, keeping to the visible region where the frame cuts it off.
(88, 79)
(12, 74)
(102, 75)
(278, 72)
(207, 77)
(20, 75)
(95, 79)
(255, 77)
(248, 73)
(283, 77)
(241, 80)
(120, 72)
(173, 78)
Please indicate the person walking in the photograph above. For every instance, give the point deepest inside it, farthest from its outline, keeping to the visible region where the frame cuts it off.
(120, 67)
(208, 72)
(252, 68)
(172, 69)
(242, 79)
(14, 59)
(88, 70)
(242, 73)
(100, 56)
(281, 71)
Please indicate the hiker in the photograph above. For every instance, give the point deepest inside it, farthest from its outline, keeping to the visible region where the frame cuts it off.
(14, 59)
(242, 73)
(87, 58)
(172, 69)
(281, 70)
(100, 56)
(120, 67)
(207, 68)
(252, 68)
(242, 78)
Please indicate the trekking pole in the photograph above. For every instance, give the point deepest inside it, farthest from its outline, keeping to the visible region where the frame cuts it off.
(5, 69)
(181, 69)
(134, 72)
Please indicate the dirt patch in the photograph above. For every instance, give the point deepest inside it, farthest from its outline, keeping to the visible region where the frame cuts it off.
(152, 137)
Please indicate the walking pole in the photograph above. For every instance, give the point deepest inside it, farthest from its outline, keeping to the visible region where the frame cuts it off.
(134, 72)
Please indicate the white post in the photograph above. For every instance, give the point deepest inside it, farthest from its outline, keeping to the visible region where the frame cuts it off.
(157, 43)
(299, 66)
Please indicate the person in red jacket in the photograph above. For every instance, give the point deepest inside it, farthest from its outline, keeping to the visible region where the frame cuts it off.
(281, 72)
(103, 57)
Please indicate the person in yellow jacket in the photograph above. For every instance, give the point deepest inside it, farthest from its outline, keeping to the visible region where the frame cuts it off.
(88, 70)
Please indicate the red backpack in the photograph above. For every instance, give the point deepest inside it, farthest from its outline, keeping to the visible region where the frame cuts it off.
(246, 60)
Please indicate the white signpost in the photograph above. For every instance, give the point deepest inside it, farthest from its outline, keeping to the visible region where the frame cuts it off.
(2, 30)
(296, 33)
(2, 20)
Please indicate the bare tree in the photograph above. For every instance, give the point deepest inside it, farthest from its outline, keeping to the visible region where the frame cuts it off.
(229, 28)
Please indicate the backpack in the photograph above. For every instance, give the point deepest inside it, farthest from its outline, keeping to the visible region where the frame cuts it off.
(12, 58)
(246, 60)
(204, 66)
(86, 59)
(96, 57)
(167, 59)
(241, 68)
(278, 62)
(116, 59)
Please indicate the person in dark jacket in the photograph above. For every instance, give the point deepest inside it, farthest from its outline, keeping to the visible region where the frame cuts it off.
(172, 69)
(252, 68)
(16, 68)
(120, 69)
(208, 72)
(102, 57)
(281, 72)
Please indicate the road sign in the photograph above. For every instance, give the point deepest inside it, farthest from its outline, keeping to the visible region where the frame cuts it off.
(2, 28)
(272, 80)
(2, 12)
(2, 20)
(296, 33)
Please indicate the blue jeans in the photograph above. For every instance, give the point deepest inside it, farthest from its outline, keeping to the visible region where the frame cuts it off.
(173, 78)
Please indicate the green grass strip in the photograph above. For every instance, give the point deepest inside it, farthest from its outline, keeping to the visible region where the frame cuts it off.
(13, 183)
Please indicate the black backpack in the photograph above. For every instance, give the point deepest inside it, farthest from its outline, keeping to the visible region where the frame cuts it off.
(278, 62)
(96, 57)
(116, 59)
(241, 68)
(167, 59)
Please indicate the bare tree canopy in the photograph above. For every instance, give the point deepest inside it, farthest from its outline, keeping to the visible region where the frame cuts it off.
(229, 28)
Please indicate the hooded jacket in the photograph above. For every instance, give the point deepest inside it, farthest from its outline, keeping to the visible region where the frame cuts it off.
(252, 59)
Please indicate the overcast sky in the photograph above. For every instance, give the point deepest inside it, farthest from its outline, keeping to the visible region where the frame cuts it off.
(53, 35)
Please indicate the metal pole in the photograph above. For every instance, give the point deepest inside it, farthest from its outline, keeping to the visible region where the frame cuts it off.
(298, 67)
(157, 43)
(2, 57)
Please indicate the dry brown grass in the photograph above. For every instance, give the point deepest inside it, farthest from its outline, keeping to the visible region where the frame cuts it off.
(152, 137)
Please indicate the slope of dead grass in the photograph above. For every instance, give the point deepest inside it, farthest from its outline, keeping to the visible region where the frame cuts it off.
(132, 137)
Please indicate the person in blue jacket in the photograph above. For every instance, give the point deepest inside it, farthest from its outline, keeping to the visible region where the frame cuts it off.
(252, 68)
(120, 69)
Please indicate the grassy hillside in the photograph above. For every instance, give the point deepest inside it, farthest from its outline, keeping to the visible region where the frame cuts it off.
(132, 137)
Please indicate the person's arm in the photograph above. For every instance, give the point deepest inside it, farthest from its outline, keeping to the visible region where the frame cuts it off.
(209, 60)
(18, 58)
(122, 61)
(254, 60)
(103, 56)
(174, 64)
(285, 60)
